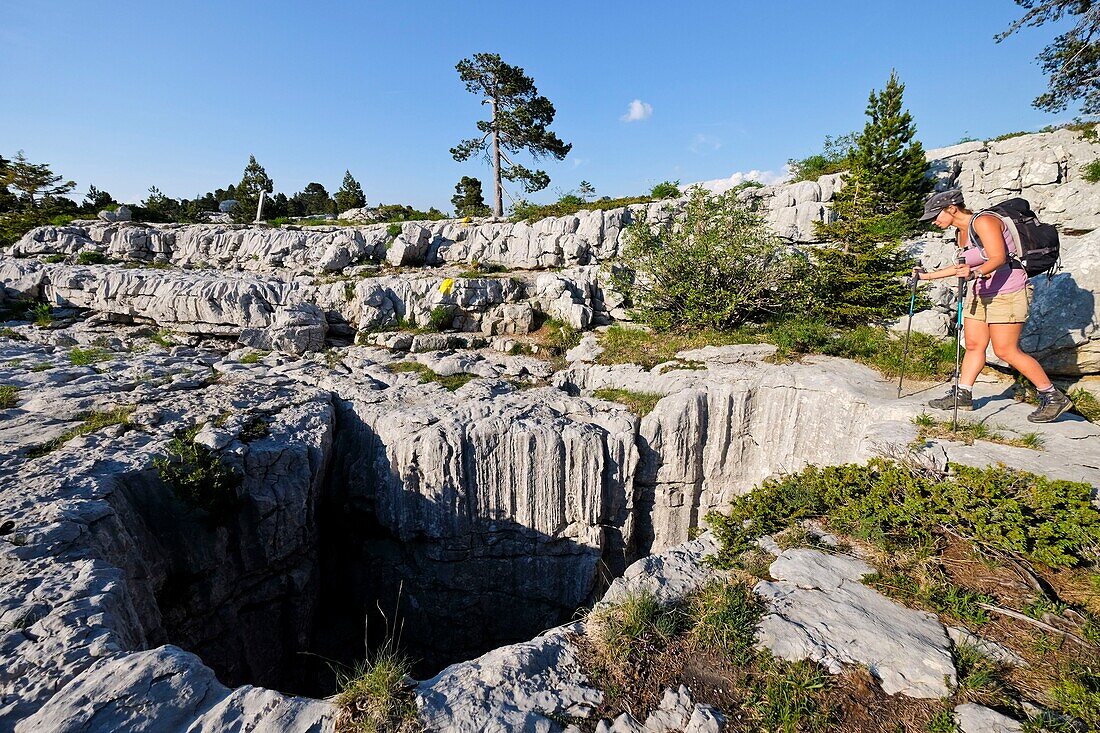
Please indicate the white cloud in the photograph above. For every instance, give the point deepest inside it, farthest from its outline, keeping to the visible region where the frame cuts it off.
(702, 142)
(718, 185)
(638, 111)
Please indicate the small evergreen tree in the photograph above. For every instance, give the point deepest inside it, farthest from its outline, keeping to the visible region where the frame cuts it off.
(96, 201)
(586, 190)
(859, 271)
(247, 192)
(34, 181)
(313, 200)
(350, 195)
(468, 199)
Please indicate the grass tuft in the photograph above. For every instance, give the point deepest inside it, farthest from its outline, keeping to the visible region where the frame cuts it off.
(640, 403)
(967, 432)
(375, 698)
(86, 357)
(90, 422)
(9, 396)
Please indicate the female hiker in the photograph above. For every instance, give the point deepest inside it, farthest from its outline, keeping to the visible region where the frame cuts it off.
(996, 307)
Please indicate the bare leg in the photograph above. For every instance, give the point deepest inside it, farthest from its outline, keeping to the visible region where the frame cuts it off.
(977, 339)
(1006, 345)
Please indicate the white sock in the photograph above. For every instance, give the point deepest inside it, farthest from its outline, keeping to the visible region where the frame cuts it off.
(967, 387)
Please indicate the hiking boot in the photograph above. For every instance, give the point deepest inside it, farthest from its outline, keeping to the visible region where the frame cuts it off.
(1051, 406)
(966, 400)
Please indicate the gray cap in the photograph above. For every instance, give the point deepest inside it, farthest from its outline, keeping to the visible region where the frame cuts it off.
(937, 202)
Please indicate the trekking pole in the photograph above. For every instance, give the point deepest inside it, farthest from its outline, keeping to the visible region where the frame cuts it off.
(958, 346)
(908, 328)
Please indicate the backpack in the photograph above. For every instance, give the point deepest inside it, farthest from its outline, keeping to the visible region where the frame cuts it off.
(1038, 242)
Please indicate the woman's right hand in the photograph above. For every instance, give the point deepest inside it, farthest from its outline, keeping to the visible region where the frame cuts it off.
(917, 272)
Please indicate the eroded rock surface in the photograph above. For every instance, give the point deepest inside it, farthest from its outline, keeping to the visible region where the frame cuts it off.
(819, 610)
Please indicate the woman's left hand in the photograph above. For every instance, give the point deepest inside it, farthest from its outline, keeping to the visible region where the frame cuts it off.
(962, 271)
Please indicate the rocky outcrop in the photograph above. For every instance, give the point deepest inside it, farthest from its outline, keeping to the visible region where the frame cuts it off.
(1045, 168)
(215, 303)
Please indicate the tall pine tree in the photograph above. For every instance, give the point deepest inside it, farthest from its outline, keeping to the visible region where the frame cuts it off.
(350, 195)
(860, 269)
(247, 193)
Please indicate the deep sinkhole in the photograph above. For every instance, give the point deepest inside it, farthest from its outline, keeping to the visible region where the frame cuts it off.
(295, 619)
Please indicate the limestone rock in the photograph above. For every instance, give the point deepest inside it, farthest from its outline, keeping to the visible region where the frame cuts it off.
(409, 247)
(974, 718)
(930, 322)
(510, 689)
(820, 610)
(294, 329)
(122, 213)
(677, 713)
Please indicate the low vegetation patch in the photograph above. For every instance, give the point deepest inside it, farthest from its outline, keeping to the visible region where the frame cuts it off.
(90, 422)
(1010, 555)
(253, 357)
(928, 358)
(640, 403)
(967, 432)
(426, 374)
(198, 477)
(533, 212)
(92, 257)
(86, 357)
(377, 697)
(1085, 404)
(9, 396)
(1091, 171)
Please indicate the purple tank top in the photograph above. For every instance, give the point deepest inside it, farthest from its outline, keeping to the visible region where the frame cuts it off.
(1004, 279)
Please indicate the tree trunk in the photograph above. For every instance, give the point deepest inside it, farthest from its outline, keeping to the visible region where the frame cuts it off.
(498, 202)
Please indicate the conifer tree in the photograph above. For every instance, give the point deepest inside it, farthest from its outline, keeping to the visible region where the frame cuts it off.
(350, 195)
(468, 199)
(247, 192)
(860, 269)
(519, 118)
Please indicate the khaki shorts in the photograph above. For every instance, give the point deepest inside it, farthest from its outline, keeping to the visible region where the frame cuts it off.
(1004, 308)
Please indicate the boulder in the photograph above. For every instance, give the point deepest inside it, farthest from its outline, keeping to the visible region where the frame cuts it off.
(820, 610)
(122, 213)
(409, 247)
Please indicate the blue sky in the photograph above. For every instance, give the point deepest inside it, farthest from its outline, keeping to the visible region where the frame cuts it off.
(126, 95)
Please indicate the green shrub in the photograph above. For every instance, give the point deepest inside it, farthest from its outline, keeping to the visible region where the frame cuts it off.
(426, 374)
(1047, 521)
(787, 697)
(1078, 694)
(524, 211)
(1091, 171)
(91, 257)
(198, 477)
(440, 318)
(253, 357)
(833, 159)
(665, 190)
(394, 230)
(12, 334)
(54, 258)
(9, 396)
(719, 269)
